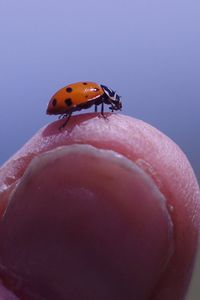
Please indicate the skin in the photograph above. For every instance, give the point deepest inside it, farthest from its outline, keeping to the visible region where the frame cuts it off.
(115, 218)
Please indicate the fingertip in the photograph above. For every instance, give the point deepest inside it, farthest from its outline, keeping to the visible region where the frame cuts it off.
(154, 153)
(109, 220)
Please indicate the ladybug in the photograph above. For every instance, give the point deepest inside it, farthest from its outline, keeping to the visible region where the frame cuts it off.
(82, 95)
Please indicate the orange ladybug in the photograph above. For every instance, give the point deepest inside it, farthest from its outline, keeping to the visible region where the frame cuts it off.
(82, 95)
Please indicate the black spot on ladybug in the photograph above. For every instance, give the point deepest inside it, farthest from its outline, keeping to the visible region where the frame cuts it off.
(69, 90)
(68, 102)
(54, 102)
(86, 96)
(85, 83)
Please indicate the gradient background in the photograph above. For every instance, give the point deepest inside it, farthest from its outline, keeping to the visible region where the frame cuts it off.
(149, 51)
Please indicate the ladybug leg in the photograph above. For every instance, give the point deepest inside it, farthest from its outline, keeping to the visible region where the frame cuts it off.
(95, 108)
(112, 107)
(66, 121)
(102, 110)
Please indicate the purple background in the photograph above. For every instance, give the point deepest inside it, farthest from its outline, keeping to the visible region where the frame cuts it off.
(149, 51)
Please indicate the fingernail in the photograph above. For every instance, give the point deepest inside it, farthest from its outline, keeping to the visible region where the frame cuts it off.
(85, 223)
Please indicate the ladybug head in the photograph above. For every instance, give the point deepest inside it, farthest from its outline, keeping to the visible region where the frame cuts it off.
(114, 97)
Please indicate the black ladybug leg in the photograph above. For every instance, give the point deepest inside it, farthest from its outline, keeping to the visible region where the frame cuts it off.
(112, 107)
(95, 108)
(66, 121)
(102, 109)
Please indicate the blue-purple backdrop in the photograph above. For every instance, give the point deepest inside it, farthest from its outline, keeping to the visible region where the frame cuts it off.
(149, 51)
